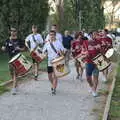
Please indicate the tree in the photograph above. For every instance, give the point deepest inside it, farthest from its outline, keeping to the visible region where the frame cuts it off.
(22, 14)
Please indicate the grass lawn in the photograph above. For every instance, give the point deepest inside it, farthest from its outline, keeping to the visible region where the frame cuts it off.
(114, 113)
(3, 89)
(4, 70)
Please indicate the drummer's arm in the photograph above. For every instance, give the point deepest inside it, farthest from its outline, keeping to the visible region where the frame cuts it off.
(22, 49)
(44, 50)
(84, 54)
(41, 42)
(4, 47)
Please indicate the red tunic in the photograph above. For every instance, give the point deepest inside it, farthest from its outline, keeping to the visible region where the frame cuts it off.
(92, 51)
(106, 43)
(76, 47)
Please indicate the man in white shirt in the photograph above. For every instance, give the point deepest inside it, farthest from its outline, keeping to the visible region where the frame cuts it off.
(53, 53)
(32, 41)
(58, 35)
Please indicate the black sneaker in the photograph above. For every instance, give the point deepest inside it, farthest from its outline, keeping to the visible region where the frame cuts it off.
(36, 78)
(53, 91)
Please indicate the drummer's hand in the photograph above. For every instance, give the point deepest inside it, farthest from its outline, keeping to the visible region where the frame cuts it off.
(3, 48)
(17, 48)
(98, 46)
(21, 49)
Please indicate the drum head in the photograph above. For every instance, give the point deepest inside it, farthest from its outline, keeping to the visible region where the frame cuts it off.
(14, 58)
(109, 53)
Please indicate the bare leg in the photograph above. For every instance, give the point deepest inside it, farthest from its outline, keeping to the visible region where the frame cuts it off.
(81, 70)
(95, 82)
(50, 78)
(105, 73)
(89, 80)
(55, 82)
(36, 66)
(53, 79)
(14, 83)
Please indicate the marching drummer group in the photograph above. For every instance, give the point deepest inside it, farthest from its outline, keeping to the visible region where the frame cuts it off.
(88, 52)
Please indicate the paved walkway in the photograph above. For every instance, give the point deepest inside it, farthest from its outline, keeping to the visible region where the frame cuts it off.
(35, 102)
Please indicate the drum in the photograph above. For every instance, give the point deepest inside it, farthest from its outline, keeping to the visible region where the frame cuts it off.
(60, 67)
(20, 64)
(101, 62)
(112, 55)
(81, 60)
(109, 53)
(37, 54)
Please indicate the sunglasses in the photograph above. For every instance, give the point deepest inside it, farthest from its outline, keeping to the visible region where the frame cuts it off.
(13, 31)
(52, 34)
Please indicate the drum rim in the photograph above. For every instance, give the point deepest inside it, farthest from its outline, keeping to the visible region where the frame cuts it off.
(12, 59)
(97, 56)
(60, 58)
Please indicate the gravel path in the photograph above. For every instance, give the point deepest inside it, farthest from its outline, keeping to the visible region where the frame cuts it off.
(35, 102)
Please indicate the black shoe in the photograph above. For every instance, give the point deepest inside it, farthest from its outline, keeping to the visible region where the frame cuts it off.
(53, 91)
(36, 78)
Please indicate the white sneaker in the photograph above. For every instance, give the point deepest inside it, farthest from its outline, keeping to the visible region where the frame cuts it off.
(77, 77)
(90, 90)
(14, 91)
(80, 78)
(95, 94)
(104, 79)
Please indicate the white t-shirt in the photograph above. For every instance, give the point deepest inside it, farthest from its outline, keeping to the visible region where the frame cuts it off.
(58, 37)
(38, 40)
(51, 53)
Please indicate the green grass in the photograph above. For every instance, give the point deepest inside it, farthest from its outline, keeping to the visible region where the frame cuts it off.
(4, 70)
(114, 113)
(3, 89)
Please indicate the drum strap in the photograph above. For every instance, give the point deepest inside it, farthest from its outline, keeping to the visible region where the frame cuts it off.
(52, 46)
(34, 39)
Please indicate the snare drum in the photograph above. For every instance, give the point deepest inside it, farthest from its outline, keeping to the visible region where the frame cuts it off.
(20, 64)
(37, 54)
(60, 67)
(101, 62)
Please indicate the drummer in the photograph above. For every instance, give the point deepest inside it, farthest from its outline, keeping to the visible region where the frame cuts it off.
(106, 44)
(54, 49)
(32, 41)
(13, 45)
(91, 69)
(76, 46)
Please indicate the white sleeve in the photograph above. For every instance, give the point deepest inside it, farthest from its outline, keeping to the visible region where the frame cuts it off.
(44, 48)
(26, 40)
(61, 38)
(61, 47)
(47, 38)
(40, 39)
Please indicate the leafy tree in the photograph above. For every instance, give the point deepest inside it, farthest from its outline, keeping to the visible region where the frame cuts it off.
(22, 14)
